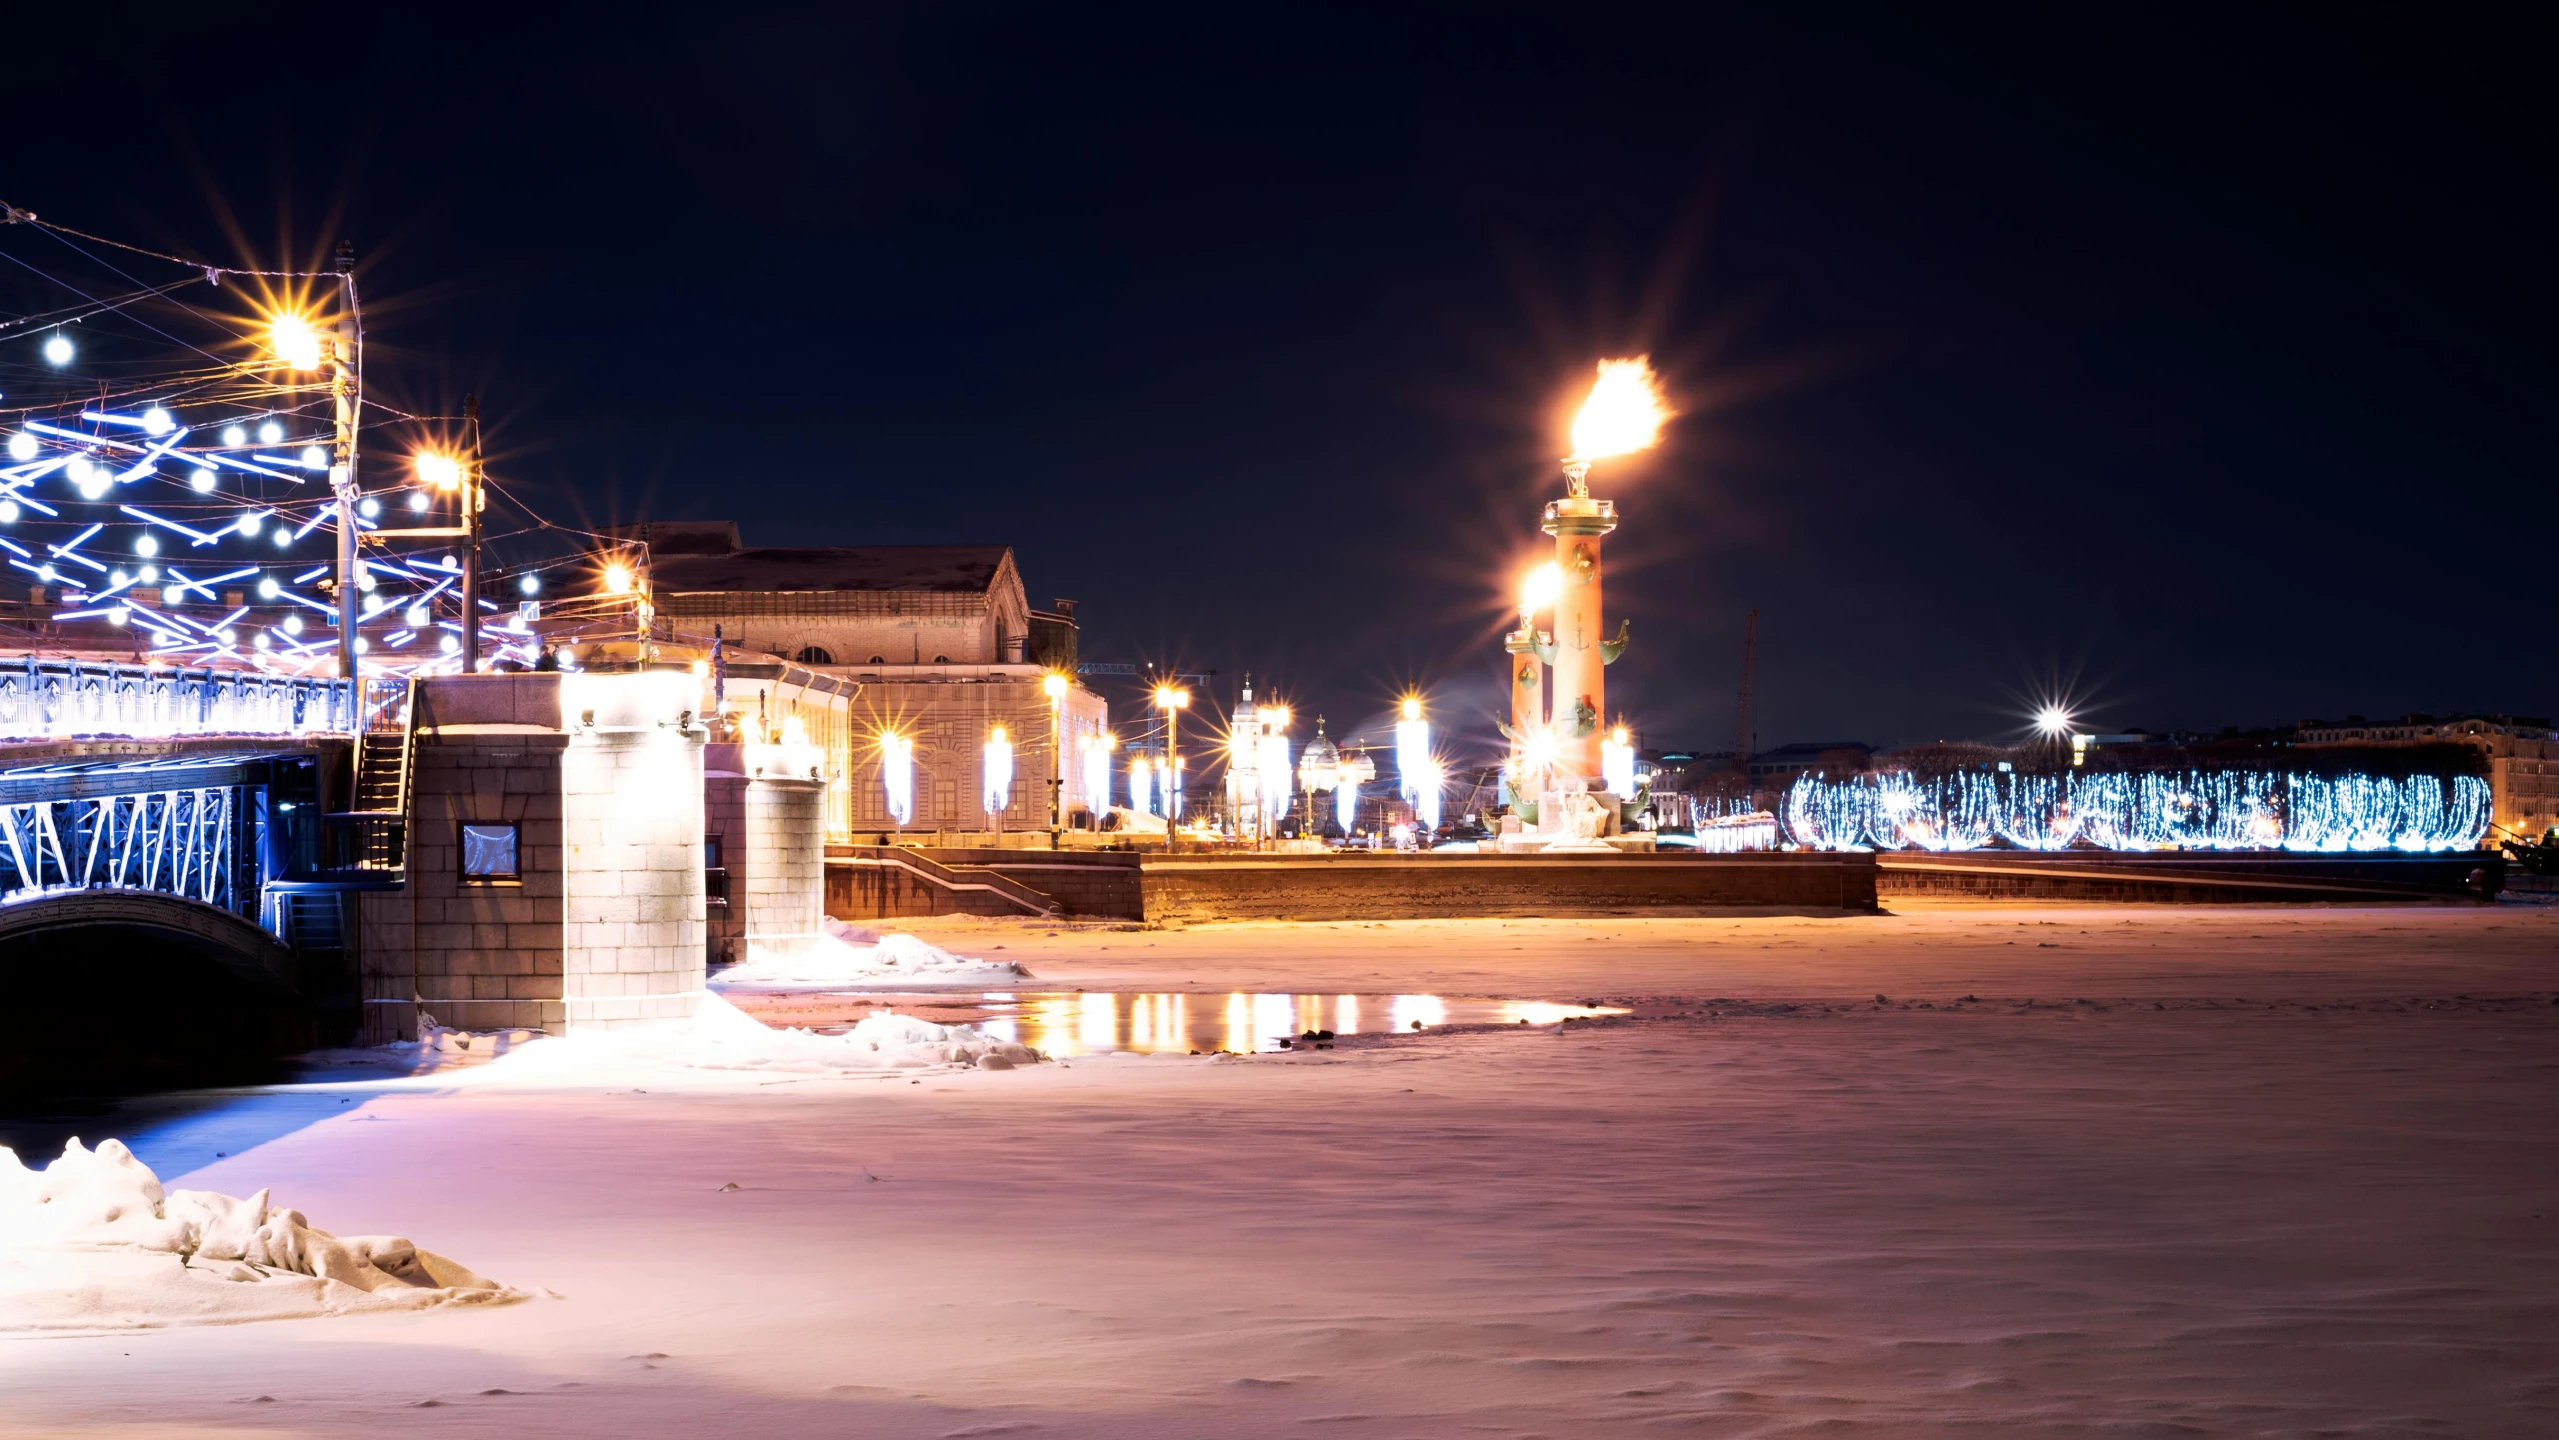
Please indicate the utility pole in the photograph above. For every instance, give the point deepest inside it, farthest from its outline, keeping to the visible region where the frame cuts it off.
(346, 402)
(474, 497)
(1743, 740)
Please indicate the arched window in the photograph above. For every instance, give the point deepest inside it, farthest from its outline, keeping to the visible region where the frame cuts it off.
(941, 659)
(878, 660)
(815, 656)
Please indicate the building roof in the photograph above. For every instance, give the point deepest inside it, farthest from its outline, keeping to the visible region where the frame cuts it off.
(970, 569)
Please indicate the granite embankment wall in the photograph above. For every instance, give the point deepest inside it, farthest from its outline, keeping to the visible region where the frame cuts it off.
(2190, 878)
(873, 883)
(1182, 890)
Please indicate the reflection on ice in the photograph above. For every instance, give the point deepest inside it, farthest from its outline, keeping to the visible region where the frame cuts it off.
(1102, 1022)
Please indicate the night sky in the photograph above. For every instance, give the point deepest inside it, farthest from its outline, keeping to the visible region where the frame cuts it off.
(2200, 367)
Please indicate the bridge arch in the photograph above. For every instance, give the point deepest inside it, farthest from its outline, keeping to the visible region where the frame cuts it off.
(115, 990)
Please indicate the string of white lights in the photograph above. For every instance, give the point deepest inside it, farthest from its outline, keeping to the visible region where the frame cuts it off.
(2223, 809)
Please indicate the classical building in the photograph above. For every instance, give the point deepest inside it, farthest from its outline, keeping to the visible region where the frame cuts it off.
(2521, 750)
(942, 641)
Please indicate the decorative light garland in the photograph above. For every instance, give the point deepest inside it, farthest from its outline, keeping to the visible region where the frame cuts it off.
(2153, 810)
(1412, 749)
(998, 796)
(1097, 773)
(897, 776)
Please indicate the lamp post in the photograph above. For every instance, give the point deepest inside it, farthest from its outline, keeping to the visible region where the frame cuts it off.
(1055, 686)
(346, 405)
(1172, 700)
(474, 496)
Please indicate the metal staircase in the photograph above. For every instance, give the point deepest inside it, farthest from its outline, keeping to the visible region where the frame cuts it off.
(375, 828)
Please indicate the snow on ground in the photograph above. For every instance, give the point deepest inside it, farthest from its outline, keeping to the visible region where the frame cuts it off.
(2230, 1172)
(722, 1037)
(851, 957)
(92, 1242)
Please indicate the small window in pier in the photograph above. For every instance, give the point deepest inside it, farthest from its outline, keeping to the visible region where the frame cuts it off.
(489, 853)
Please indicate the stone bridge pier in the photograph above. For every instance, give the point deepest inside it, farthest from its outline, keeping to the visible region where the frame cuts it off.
(765, 826)
(555, 874)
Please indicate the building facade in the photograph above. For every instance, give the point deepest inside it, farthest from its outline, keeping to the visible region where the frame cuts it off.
(947, 652)
(2522, 753)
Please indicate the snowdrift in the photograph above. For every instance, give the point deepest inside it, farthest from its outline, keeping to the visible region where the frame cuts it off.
(92, 1242)
(720, 1036)
(847, 956)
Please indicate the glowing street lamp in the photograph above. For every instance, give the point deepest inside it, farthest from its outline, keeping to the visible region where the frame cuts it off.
(439, 471)
(294, 342)
(617, 578)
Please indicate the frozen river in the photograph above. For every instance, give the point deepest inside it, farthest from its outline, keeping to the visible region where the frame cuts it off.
(2145, 1172)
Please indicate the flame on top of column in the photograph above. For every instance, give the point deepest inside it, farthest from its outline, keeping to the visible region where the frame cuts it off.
(1624, 413)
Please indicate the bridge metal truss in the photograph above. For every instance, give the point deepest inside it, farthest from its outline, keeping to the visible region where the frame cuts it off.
(198, 842)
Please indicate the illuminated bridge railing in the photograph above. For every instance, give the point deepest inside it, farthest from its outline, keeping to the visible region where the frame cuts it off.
(43, 699)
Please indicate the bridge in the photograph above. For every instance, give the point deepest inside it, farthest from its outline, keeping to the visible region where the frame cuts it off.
(198, 829)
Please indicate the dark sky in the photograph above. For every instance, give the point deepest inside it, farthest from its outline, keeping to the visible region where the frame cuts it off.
(2200, 364)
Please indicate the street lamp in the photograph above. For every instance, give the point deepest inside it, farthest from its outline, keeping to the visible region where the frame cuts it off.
(1172, 700)
(1054, 685)
(294, 342)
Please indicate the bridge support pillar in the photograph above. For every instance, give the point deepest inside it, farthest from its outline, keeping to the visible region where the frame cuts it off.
(632, 803)
(554, 860)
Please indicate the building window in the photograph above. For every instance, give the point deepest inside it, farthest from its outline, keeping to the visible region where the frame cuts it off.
(941, 659)
(879, 660)
(812, 655)
(715, 876)
(489, 854)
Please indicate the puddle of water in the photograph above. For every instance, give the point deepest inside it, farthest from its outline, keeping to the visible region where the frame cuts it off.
(1095, 1022)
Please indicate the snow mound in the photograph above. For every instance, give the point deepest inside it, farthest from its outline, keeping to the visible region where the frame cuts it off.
(91, 1242)
(848, 956)
(720, 1036)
